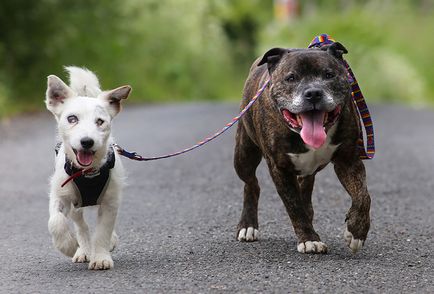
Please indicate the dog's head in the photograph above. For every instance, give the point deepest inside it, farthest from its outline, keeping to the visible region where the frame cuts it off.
(84, 123)
(310, 87)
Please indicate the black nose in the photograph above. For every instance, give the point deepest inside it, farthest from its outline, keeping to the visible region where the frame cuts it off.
(87, 142)
(313, 95)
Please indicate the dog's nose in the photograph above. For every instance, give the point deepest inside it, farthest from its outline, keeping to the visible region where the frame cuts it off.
(313, 95)
(87, 142)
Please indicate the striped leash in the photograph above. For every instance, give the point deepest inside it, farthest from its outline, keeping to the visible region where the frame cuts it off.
(359, 101)
(135, 156)
(356, 93)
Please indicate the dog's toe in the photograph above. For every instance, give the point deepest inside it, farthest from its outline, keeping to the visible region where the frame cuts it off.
(312, 247)
(354, 244)
(249, 234)
(80, 256)
(101, 262)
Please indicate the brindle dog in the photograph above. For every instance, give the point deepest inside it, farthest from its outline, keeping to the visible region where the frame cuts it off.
(304, 119)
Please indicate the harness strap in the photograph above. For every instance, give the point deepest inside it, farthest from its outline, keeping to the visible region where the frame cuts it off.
(76, 175)
(359, 101)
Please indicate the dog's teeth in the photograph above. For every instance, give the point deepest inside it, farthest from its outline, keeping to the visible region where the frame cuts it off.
(299, 120)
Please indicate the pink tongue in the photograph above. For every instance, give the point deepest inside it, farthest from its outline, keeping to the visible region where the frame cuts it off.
(84, 158)
(312, 132)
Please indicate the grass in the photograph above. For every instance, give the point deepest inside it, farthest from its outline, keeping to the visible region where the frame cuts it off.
(166, 56)
(390, 48)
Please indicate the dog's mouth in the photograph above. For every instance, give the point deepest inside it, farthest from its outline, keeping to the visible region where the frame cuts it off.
(312, 125)
(84, 157)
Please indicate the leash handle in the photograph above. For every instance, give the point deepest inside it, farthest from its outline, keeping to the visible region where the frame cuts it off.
(365, 116)
(138, 157)
(130, 155)
(359, 101)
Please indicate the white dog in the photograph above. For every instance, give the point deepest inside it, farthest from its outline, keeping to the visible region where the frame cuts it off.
(88, 171)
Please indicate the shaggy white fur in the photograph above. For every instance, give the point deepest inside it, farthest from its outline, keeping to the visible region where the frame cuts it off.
(84, 115)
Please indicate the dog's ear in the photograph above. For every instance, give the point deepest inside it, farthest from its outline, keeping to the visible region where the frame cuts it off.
(114, 98)
(336, 49)
(272, 57)
(57, 93)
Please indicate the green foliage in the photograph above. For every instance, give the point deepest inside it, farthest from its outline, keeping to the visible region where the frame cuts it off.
(166, 49)
(178, 52)
(241, 21)
(39, 37)
(172, 50)
(389, 44)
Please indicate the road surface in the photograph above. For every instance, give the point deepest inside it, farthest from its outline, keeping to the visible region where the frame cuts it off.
(178, 217)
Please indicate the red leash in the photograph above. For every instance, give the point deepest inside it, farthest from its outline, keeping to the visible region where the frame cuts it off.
(76, 175)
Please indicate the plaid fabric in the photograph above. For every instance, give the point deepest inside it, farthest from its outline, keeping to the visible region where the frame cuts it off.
(359, 101)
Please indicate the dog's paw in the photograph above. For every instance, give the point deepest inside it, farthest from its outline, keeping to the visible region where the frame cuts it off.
(67, 245)
(101, 262)
(354, 244)
(80, 256)
(312, 247)
(63, 239)
(248, 235)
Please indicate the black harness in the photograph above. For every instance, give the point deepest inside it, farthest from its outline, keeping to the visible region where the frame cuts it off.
(90, 186)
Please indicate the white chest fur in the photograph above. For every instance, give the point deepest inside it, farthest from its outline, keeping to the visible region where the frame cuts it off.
(307, 163)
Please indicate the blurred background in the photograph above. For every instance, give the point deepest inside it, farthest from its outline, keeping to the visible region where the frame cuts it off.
(183, 50)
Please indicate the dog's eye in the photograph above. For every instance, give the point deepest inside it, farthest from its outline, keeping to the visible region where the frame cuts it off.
(290, 78)
(99, 122)
(72, 119)
(329, 75)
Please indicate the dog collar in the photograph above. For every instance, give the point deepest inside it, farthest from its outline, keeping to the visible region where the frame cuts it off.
(359, 101)
(89, 183)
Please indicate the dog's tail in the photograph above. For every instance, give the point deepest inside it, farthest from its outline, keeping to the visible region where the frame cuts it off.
(83, 82)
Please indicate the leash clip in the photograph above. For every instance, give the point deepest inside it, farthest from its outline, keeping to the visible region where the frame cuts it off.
(130, 155)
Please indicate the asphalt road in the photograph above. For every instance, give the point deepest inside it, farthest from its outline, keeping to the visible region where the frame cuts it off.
(178, 218)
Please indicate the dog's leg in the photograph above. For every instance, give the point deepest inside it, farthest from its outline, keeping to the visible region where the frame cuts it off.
(114, 241)
(352, 175)
(246, 159)
(289, 191)
(306, 187)
(102, 241)
(83, 237)
(63, 239)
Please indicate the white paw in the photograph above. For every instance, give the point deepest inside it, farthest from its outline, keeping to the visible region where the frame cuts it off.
(249, 235)
(67, 245)
(354, 244)
(101, 262)
(80, 256)
(312, 247)
(63, 239)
